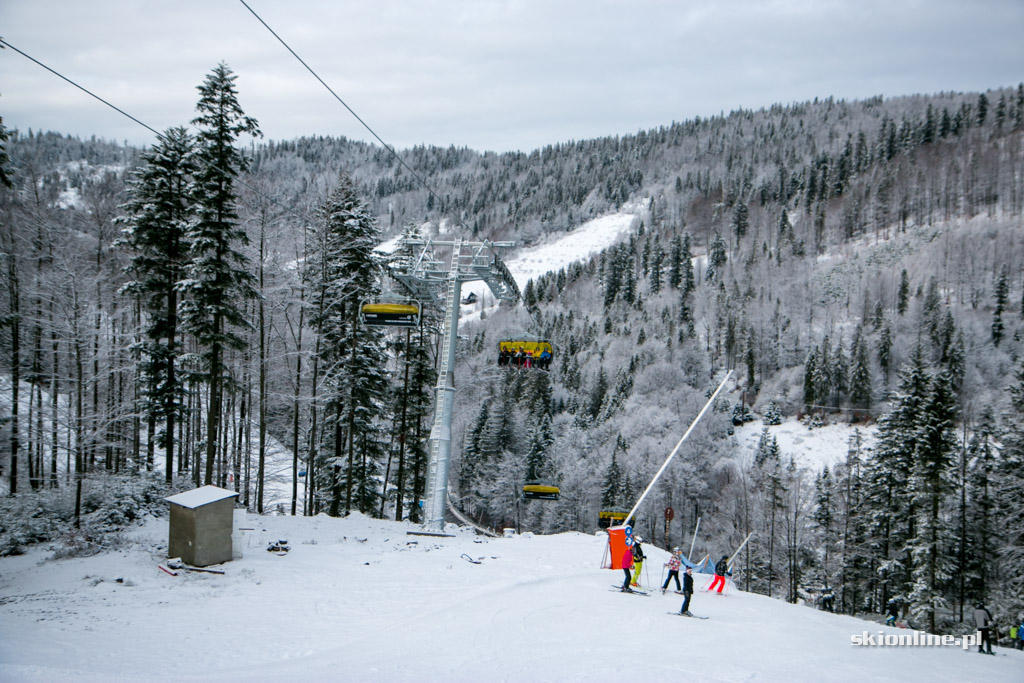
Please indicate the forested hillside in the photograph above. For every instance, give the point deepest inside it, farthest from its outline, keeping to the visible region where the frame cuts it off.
(171, 312)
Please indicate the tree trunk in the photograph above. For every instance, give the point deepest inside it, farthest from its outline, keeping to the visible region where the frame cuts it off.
(262, 380)
(171, 402)
(80, 454)
(213, 409)
(314, 437)
(771, 540)
(351, 417)
(295, 411)
(54, 402)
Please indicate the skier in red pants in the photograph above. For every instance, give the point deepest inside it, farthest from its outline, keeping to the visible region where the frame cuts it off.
(721, 569)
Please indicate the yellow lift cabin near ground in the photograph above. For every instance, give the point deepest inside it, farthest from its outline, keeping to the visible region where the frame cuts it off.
(390, 313)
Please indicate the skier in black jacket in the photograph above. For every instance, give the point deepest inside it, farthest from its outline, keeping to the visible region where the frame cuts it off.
(687, 591)
(893, 611)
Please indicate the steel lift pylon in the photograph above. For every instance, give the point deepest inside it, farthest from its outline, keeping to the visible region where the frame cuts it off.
(436, 283)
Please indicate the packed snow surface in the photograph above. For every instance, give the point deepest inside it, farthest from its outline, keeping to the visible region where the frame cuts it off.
(361, 599)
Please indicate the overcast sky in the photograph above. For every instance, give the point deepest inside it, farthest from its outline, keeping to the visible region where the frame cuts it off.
(487, 74)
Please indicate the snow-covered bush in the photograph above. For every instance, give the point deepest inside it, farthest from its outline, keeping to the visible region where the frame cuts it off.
(110, 502)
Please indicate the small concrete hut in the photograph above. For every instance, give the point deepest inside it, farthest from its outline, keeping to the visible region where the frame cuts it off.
(201, 523)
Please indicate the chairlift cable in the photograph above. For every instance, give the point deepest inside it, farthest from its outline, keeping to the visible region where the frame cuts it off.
(82, 88)
(343, 103)
(298, 214)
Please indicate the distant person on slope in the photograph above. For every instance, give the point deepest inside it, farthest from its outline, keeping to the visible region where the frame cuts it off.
(687, 592)
(673, 565)
(984, 622)
(827, 600)
(893, 609)
(638, 560)
(721, 569)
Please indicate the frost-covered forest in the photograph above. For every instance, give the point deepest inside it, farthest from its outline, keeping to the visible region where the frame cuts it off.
(171, 314)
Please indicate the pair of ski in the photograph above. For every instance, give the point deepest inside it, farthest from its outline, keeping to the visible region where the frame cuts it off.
(619, 589)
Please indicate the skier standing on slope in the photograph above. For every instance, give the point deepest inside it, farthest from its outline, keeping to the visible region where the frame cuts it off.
(687, 591)
(984, 621)
(638, 560)
(721, 569)
(627, 565)
(673, 565)
(827, 600)
(893, 610)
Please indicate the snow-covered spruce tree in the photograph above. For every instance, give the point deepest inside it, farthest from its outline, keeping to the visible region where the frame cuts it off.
(675, 262)
(718, 256)
(5, 159)
(740, 221)
(824, 516)
(839, 374)
(903, 295)
(860, 374)
(810, 383)
(1000, 295)
(823, 375)
(614, 481)
(538, 417)
(657, 269)
(884, 350)
(768, 477)
(218, 280)
(888, 502)
(930, 482)
(418, 409)
(156, 222)
(11, 318)
(342, 273)
(538, 461)
(980, 522)
(1009, 494)
(855, 580)
(796, 504)
(472, 462)
(627, 272)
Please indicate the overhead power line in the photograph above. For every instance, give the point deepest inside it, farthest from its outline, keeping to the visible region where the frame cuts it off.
(337, 97)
